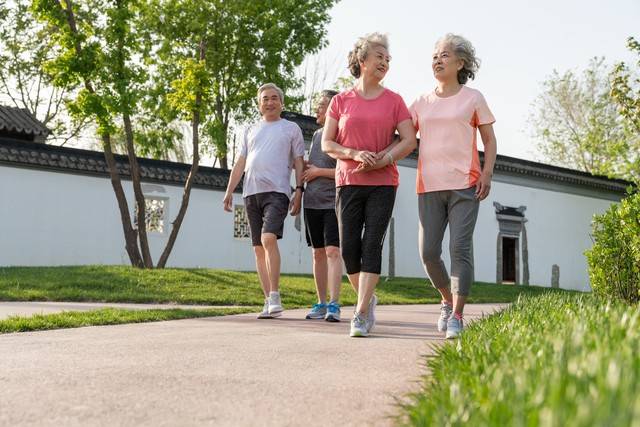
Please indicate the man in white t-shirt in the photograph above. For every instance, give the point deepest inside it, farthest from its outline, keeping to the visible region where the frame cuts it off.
(269, 150)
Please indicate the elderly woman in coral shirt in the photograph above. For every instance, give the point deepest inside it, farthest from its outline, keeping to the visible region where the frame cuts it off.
(359, 132)
(450, 182)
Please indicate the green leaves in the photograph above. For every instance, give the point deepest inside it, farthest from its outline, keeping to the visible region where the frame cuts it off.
(625, 88)
(578, 125)
(195, 78)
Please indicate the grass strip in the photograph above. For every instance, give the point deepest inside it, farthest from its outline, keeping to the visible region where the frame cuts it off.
(107, 316)
(210, 287)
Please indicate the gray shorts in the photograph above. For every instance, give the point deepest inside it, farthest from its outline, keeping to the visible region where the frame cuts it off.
(266, 213)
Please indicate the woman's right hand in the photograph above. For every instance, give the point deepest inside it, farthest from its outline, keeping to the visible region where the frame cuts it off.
(367, 158)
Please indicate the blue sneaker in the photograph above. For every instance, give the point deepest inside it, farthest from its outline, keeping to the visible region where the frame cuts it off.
(318, 311)
(333, 312)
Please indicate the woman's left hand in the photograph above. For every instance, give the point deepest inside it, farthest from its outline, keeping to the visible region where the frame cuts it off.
(381, 161)
(483, 187)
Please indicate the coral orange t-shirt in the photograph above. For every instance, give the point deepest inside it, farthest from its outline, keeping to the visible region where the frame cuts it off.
(370, 125)
(448, 154)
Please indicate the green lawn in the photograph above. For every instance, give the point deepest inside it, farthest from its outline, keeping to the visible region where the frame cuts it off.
(552, 360)
(107, 316)
(206, 286)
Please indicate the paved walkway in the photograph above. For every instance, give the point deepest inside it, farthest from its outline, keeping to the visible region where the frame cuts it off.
(29, 308)
(230, 371)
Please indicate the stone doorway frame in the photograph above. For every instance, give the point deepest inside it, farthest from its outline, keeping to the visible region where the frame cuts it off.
(511, 224)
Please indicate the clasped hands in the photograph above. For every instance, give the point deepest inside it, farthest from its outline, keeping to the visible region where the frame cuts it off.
(369, 160)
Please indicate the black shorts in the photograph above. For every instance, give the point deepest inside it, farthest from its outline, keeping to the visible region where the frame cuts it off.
(321, 228)
(266, 213)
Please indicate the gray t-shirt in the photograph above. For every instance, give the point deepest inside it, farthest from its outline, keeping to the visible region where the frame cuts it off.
(270, 148)
(321, 192)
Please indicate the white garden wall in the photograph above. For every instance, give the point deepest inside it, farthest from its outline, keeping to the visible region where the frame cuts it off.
(57, 218)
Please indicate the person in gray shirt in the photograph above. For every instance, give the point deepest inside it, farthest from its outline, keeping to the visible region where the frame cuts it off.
(321, 223)
(270, 148)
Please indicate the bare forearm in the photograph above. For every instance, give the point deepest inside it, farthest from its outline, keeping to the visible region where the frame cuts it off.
(298, 165)
(235, 177)
(402, 148)
(328, 173)
(337, 151)
(490, 153)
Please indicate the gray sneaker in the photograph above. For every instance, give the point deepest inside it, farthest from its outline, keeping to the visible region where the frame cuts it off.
(445, 314)
(318, 311)
(359, 326)
(275, 305)
(264, 314)
(454, 327)
(371, 313)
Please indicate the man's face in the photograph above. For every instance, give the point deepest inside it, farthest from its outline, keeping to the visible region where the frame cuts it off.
(321, 110)
(270, 105)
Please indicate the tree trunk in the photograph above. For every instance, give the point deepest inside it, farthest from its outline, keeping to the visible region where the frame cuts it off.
(130, 237)
(223, 162)
(177, 223)
(137, 190)
(131, 244)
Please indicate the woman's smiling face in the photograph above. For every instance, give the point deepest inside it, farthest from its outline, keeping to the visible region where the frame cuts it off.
(376, 64)
(445, 64)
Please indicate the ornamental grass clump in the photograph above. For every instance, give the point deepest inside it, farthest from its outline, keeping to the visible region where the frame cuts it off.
(552, 360)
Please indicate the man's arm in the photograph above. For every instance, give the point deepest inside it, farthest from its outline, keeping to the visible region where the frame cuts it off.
(312, 172)
(234, 180)
(296, 200)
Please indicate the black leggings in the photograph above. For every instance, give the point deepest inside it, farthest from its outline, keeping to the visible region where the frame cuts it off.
(359, 206)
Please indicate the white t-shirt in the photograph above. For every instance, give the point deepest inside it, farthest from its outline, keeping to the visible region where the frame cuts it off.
(270, 148)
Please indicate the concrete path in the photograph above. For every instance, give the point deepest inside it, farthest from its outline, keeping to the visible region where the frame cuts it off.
(229, 371)
(29, 308)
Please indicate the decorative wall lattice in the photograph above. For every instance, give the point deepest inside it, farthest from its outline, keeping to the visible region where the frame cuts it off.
(155, 213)
(240, 223)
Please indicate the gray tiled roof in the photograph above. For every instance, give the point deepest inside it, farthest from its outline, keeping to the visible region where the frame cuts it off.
(20, 121)
(85, 162)
(307, 123)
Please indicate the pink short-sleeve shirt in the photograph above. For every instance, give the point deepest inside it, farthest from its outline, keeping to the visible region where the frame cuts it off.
(367, 124)
(448, 154)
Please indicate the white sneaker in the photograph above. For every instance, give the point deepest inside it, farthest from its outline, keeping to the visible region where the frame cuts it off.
(371, 313)
(445, 314)
(275, 305)
(454, 327)
(264, 314)
(359, 326)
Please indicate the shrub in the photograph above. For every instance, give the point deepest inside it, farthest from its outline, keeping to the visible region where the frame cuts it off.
(614, 259)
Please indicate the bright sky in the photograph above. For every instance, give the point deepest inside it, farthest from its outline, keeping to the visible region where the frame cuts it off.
(519, 43)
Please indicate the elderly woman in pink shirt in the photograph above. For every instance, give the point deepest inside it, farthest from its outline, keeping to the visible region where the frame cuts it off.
(359, 132)
(450, 182)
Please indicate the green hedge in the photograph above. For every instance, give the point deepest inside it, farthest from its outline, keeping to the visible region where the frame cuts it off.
(614, 259)
(553, 360)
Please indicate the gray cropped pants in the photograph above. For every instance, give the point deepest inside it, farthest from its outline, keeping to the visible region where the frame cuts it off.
(459, 210)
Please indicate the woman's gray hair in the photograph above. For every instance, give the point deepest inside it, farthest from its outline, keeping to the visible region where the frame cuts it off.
(361, 50)
(464, 50)
(270, 86)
